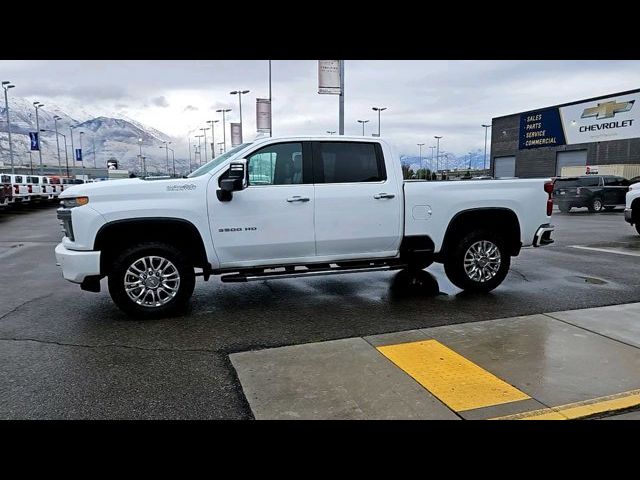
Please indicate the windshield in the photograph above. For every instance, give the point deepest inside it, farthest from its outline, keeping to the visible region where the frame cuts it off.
(207, 167)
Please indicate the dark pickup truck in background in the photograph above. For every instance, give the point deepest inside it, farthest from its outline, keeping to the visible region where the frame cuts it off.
(596, 192)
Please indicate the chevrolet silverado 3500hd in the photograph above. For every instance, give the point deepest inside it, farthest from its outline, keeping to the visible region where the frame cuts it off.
(292, 207)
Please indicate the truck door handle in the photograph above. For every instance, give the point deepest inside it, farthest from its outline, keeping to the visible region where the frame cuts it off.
(297, 198)
(378, 196)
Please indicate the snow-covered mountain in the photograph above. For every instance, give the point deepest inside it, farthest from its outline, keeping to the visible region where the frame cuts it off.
(112, 137)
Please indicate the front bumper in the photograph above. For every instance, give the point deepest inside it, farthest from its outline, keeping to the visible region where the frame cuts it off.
(628, 215)
(77, 265)
(543, 235)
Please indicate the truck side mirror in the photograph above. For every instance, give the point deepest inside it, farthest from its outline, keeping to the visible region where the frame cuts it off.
(235, 181)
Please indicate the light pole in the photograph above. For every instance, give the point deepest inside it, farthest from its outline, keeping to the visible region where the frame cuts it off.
(363, 122)
(167, 150)
(378, 109)
(437, 150)
(189, 145)
(432, 149)
(55, 126)
(199, 148)
(331, 132)
(213, 137)
(204, 134)
(73, 152)
(224, 128)
(66, 156)
(144, 173)
(240, 93)
(37, 106)
(484, 164)
(420, 145)
(173, 156)
(6, 85)
(82, 158)
(470, 160)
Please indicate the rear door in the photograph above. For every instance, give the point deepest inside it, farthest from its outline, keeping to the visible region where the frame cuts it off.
(358, 201)
(615, 190)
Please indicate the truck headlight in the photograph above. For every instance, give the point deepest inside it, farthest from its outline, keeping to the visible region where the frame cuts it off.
(74, 202)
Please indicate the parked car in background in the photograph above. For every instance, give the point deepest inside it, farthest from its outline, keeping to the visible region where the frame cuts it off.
(596, 192)
(634, 180)
(6, 190)
(22, 191)
(33, 181)
(632, 206)
(46, 188)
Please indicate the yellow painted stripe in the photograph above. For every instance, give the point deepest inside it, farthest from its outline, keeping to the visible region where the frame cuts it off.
(572, 411)
(456, 381)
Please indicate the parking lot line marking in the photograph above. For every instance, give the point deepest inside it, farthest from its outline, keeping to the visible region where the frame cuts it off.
(606, 250)
(587, 408)
(454, 380)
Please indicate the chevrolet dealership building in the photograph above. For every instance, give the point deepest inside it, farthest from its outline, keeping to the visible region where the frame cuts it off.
(538, 143)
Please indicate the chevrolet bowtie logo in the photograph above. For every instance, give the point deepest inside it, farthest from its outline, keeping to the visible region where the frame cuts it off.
(607, 109)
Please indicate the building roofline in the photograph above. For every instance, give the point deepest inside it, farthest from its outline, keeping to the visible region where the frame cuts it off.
(627, 92)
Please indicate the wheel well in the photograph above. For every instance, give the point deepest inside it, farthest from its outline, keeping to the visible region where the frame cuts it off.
(115, 236)
(500, 220)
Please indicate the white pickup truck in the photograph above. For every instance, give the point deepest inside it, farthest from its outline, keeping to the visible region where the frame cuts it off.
(632, 207)
(290, 207)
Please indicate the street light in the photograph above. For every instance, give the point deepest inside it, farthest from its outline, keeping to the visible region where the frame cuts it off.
(437, 150)
(82, 158)
(6, 85)
(240, 93)
(432, 148)
(37, 106)
(55, 123)
(199, 148)
(420, 150)
(363, 122)
(213, 137)
(66, 155)
(378, 109)
(470, 160)
(204, 131)
(73, 152)
(331, 132)
(172, 155)
(224, 128)
(484, 164)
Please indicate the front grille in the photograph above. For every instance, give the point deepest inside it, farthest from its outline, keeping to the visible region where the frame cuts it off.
(64, 215)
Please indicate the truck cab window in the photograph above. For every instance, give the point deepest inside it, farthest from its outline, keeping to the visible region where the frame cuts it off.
(279, 164)
(347, 162)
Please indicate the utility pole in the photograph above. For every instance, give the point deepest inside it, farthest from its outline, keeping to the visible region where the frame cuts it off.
(437, 151)
(484, 165)
(341, 108)
(6, 85)
(420, 145)
(37, 106)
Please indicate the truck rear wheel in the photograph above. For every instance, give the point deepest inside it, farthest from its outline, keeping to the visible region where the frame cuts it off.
(479, 262)
(596, 205)
(151, 280)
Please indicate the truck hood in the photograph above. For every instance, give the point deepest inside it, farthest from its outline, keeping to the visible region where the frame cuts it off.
(131, 187)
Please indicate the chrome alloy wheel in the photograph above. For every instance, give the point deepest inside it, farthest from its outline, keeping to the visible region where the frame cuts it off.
(152, 281)
(482, 261)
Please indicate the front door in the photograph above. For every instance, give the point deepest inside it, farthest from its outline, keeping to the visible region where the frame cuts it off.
(271, 221)
(358, 201)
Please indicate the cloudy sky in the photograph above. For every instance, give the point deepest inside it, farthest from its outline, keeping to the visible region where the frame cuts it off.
(423, 98)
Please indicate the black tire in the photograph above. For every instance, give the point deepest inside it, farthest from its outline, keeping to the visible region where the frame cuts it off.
(129, 257)
(596, 205)
(564, 208)
(454, 265)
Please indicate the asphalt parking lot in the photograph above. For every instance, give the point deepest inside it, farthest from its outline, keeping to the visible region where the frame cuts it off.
(65, 353)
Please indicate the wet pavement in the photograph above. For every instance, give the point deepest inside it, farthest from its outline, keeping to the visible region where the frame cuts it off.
(71, 354)
(540, 366)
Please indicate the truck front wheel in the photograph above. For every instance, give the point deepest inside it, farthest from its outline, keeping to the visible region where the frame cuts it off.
(151, 280)
(479, 262)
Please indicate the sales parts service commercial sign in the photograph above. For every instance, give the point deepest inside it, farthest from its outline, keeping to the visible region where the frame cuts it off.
(612, 118)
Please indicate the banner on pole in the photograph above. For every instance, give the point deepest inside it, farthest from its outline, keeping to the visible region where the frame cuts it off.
(236, 134)
(78, 154)
(35, 140)
(329, 77)
(263, 115)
